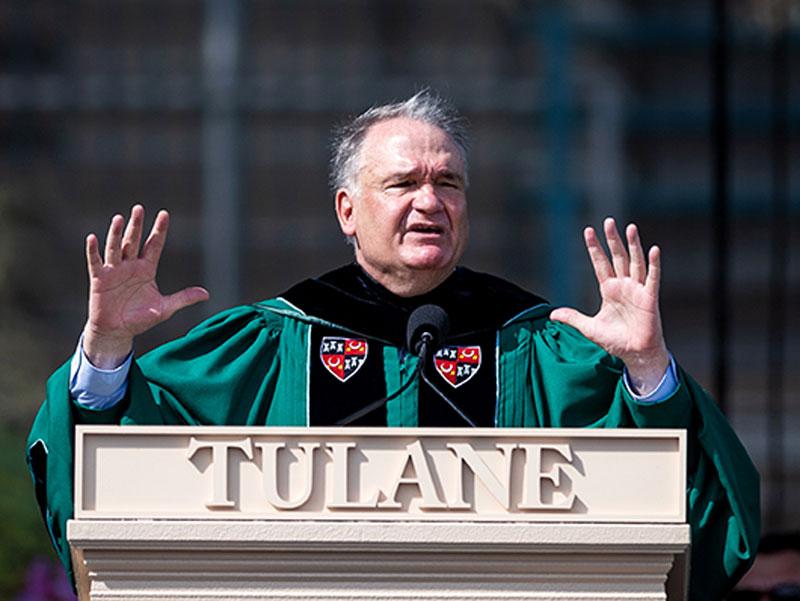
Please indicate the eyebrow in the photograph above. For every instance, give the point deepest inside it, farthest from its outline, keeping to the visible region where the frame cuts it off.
(447, 173)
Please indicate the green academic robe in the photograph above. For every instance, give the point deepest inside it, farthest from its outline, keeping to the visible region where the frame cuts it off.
(250, 365)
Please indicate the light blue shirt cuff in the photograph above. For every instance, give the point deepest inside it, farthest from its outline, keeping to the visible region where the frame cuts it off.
(665, 389)
(95, 388)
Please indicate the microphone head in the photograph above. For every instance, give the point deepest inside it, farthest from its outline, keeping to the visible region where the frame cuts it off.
(427, 319)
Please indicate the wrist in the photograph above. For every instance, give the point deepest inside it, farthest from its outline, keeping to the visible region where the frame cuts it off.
(105, 351)
(646, 370)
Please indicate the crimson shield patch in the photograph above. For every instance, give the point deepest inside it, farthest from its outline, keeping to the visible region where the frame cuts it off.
(457, 364)
(343, 357)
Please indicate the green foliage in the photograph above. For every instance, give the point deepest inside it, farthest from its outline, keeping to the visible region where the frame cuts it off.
(23, 533)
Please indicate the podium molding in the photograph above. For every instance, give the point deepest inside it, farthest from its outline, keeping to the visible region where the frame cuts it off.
(186, 560)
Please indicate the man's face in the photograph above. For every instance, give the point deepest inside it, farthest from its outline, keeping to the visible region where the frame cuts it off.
(408, 211)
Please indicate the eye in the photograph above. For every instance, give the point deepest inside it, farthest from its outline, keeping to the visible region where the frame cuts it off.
(449, 183)
(403, 183)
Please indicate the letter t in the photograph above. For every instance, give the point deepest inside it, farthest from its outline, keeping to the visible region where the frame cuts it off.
(219, 463)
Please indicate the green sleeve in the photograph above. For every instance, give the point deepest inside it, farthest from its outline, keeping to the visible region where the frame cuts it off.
(574, 383)
(224, 371)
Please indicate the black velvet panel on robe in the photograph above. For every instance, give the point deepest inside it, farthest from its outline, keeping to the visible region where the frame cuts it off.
(343, 379)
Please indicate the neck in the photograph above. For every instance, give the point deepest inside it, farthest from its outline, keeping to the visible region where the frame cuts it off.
(408, 283)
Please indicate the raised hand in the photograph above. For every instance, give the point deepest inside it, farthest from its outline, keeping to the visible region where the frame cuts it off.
(628, 324)
(124, 299)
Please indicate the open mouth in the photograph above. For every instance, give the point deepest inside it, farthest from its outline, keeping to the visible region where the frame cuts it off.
(426, 229)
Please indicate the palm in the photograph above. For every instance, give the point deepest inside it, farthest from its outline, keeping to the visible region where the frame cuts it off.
(628, 319)
(124, 299)
(628, 324)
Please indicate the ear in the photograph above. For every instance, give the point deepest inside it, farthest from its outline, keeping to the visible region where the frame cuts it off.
(345, 211)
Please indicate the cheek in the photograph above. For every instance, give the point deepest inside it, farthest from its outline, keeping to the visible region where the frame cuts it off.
(383, 226)
(458, 214)
(462, 228)
(393, 215)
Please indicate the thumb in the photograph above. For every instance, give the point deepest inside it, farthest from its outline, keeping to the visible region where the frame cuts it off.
(184, 298)
(571, 317)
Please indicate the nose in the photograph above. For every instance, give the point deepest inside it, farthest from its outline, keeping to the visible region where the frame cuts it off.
(426, 200)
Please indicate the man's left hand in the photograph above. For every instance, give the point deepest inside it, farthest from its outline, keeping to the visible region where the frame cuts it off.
(628, 324)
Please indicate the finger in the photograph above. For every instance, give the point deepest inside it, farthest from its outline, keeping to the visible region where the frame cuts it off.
(184, 298)
(158, 236)
(637, 266)
(133, 233)
(602, 268)
(653, 281)
(576, 319)
(619, 256)
(114, 239)
(94, 261)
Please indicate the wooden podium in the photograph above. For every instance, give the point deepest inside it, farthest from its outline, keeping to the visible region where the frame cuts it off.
(179, 513)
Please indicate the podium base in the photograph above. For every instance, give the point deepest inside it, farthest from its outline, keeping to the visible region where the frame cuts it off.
(155, 560)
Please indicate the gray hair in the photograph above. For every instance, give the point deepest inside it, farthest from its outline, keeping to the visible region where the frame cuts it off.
(423, 106)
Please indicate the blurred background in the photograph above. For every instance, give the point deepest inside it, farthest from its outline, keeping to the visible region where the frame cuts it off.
(680, 115)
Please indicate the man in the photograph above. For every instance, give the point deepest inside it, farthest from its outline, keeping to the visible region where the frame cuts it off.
(511, 360)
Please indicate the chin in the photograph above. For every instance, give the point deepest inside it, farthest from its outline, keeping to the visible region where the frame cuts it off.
(431, 261)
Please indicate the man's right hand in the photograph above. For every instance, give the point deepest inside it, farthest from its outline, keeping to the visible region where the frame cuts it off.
(124, 299)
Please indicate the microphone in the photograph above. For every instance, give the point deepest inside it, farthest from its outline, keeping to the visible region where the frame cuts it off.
(427, 328)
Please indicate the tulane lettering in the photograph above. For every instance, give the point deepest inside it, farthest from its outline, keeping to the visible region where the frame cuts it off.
(415, 457)
(500, 488)
(433, 480)
(270, 473)
(340, 454)
(219, 465)
(534, 476)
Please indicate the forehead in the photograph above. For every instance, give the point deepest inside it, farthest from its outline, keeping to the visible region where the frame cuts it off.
(405, 144)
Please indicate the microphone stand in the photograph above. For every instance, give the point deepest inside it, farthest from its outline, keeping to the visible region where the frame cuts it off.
(448, 401)
(375, 404)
